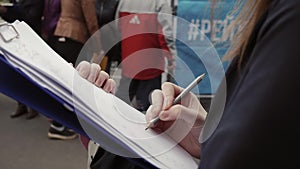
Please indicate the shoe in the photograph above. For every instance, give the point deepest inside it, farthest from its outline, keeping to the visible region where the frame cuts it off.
(31, 114)
(22, 109)
(61, 133)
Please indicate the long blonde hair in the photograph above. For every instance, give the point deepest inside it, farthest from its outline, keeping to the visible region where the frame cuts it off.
(249, 13)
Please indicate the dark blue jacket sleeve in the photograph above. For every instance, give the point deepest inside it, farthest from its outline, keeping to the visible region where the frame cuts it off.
(259, 125)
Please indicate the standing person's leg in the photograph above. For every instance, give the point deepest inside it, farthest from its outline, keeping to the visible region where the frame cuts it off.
(68, 50)
(21, 109)
(144, 90)
(125, 91)
(31, 113)
(58, 131)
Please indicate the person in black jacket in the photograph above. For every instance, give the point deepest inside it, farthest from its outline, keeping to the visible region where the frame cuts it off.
(253, 120)
(29, 11)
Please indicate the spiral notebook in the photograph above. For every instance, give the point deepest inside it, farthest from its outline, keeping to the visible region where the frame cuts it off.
(103, 117)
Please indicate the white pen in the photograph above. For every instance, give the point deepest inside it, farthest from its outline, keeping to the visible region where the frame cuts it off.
(179, 97)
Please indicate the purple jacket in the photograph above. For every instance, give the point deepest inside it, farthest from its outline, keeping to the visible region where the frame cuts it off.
(52, 10)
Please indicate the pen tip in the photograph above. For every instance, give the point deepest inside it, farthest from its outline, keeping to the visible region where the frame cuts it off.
(148, 126)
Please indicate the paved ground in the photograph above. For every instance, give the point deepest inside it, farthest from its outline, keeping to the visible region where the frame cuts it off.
(24, 143)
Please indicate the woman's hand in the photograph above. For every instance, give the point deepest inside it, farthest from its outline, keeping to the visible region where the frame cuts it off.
(94, 74)
(183, 122)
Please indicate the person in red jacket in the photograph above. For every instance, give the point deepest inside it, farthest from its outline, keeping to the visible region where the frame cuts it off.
(147, 41)
(146, 30)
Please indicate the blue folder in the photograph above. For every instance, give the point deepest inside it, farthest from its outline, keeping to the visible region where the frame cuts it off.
(18, 86)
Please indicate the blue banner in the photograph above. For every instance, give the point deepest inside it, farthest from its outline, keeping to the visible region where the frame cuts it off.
(199, 47)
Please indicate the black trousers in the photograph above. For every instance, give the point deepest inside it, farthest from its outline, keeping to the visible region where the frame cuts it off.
(68, 49)
(140, 89)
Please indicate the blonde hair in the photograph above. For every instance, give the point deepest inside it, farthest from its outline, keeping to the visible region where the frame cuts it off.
(248, 13)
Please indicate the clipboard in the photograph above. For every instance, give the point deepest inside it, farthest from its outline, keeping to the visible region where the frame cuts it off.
(25, 90)
(27, 87)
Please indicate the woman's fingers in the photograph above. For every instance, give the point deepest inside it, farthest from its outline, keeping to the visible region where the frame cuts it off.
(110, 86)
(102, 77)
(161, 101)
(179, 112)
(94, 72)
(182, 122)
(157, 105)
(83, 69)
(169, 90)
(162, 106)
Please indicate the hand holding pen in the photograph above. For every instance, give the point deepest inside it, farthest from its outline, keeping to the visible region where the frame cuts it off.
(178, 98)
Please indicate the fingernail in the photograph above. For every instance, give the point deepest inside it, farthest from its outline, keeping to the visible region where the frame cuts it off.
(111, 89)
